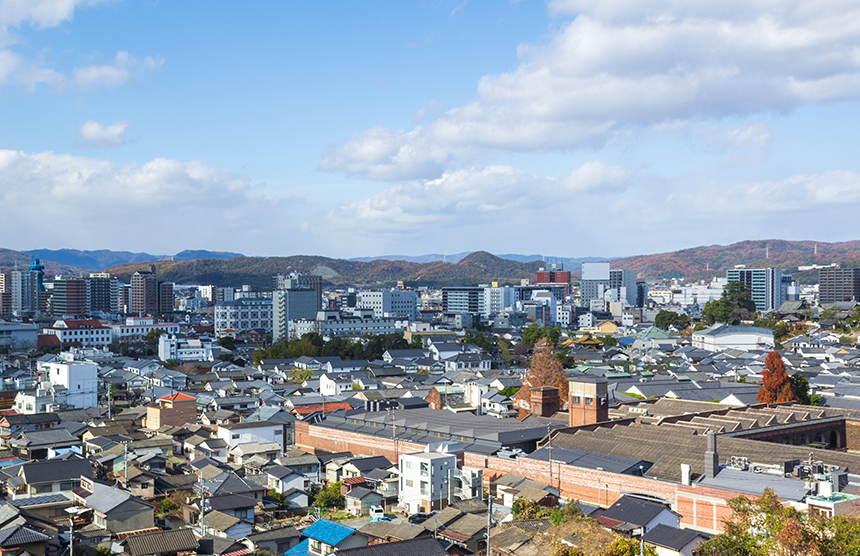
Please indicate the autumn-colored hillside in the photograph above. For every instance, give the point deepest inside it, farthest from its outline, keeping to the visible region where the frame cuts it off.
(8, 259)
(258, 271)
(708, 261)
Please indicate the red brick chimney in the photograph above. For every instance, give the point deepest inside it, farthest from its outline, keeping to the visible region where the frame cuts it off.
(544, 401)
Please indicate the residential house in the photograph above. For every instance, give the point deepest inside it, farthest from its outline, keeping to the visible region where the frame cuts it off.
(327, 537)
(274, 541)
(254, 431)
(671, 541)
(112, 508)
(286, 482)
(161, 543)
(176, 410)
(359, 500)
(50, 476)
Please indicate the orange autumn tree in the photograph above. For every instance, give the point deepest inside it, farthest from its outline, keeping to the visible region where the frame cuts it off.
(775, 384)
(545, 370)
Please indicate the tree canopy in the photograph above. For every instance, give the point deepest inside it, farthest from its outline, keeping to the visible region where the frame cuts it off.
(735, 305)
(370, 347)
(545, 370)
(665, 319)
(775, 384)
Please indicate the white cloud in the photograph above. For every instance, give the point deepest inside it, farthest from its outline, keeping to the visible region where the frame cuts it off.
(754, 136)
(116, 74)
(488, 196)
(42, 13)
(633, 64)
(98, 135)
(14, 70)
(151, 206)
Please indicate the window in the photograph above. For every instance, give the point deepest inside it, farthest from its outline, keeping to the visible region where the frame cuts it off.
(66, 486)
(574, 400)
(235, 436)
(409, 483)
(589, 401)
(423, 487)
(42, 488)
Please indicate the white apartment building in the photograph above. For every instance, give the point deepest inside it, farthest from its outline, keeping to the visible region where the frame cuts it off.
(243, 314)
(497, 299)
(135, 329)
(79, 378)
(431, 480)
(332, 323)
(389, 303)
(180, 348)
(83, 332)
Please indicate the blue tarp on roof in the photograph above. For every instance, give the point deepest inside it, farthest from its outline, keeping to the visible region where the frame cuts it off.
(301, 549)
(328, 532)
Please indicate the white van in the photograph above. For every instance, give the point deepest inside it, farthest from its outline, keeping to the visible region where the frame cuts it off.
(377, 511)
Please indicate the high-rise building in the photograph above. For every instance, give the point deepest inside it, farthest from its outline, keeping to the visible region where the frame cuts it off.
(765, 284)
(497, 299)
(598, 278)
(838, 284)
(466, 299)
(389, 303)
(103, 293)
(149, 295)
(291, 304)
(554, 275)
(69, 298)
(241, 315)
(296, 280)
(24, 292)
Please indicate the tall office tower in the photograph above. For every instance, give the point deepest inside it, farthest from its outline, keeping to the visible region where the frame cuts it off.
(466, 299)
(166, 298)
(295, 280)
(103, 293)
(291, 304)
(149, 296)
(554, 275)
(124, 298)
(838, 284)
(25, 293)
(597, 278)
(765, 284)
(70, 298)
(497, 299)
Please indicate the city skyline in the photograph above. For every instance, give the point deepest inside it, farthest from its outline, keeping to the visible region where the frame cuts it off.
(349, 131)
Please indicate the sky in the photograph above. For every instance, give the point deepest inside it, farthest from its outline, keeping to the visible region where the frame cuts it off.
(570, 127)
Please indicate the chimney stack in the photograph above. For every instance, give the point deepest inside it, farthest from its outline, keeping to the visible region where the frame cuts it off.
(685, 474)
(712, 459)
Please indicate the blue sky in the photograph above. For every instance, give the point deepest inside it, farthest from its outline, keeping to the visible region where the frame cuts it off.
(573, 127)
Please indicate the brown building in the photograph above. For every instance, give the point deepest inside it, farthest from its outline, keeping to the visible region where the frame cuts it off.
(149, 296)
(838, 284)
(588, 403)
(69, 298)
(544, 401)
(176, 410)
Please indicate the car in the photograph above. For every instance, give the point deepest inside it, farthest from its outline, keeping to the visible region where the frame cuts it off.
(377, 511)
(418, 518)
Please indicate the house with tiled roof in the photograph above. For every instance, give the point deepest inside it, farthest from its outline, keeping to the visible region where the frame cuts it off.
(114, 509)
(161, 543)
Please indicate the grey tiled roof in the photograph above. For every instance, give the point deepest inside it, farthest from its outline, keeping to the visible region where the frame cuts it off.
(425, 546)
(175, 540)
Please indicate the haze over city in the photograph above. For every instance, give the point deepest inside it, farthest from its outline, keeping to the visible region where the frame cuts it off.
(351, 130)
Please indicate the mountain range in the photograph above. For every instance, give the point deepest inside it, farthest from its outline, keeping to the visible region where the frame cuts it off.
(233, 269)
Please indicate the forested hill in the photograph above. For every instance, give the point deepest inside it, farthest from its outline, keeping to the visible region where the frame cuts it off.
(479, 267)
(713, 260)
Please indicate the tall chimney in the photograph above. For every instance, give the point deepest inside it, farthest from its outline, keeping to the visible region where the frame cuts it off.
(712, 459)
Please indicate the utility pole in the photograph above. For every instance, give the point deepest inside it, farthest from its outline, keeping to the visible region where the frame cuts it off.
(549, 437)
(489, 519)
(125, 463)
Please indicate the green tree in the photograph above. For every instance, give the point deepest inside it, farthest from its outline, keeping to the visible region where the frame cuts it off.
(227, 342)
(152, 336)
(665, 319)
(528, 509)
(509, 391)
(628, 547)
(569, 512)
(299, 375)
(532, 334)
(736, 304)
(800, 387)
(330, 497)
(608, 341)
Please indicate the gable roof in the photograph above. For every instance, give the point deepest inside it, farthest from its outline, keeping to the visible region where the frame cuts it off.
(328, 532)
(53, 470)
(633, 510)
(671, 537)
(174, 540)
(425, 546)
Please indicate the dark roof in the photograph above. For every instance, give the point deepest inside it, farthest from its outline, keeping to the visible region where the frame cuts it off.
(174, 540)
(671, 537)
(53, 470)
(425, 546)
(633, 510)
(274, 534)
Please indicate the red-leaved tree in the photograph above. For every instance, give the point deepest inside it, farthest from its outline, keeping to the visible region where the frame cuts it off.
(775, 384)
(545, 370)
